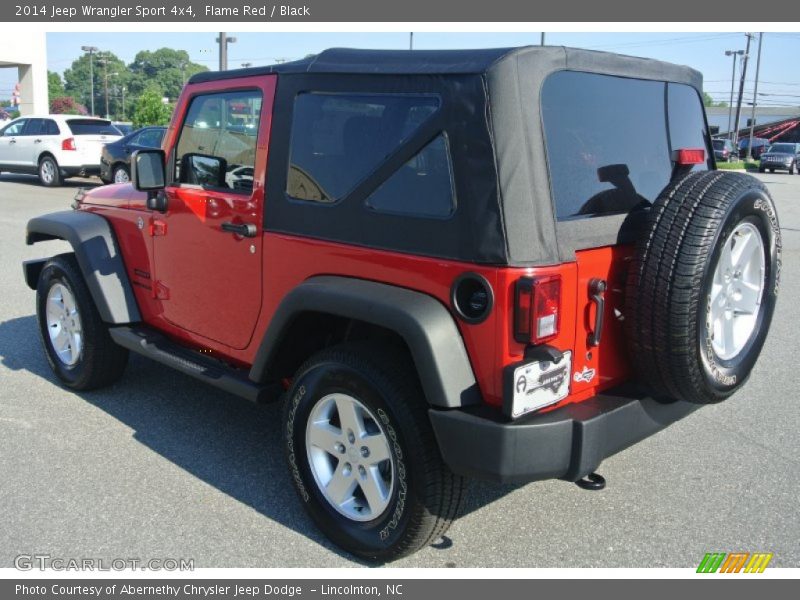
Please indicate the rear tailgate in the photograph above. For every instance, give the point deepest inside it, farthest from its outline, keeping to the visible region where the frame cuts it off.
(600, 351)
(90, 137)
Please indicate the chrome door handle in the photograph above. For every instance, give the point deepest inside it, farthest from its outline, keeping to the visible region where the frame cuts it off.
(37, 141)
(13, 142)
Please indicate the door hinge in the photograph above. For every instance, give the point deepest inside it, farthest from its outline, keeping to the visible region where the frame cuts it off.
(158, 228)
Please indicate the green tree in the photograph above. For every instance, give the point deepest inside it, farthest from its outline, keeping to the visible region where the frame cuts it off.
(709, 101)
(106, 67)
(150, 108)
(166, 67)
(55, 87)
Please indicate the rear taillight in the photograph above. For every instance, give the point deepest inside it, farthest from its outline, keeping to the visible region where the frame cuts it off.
(690, 156)
(537, 309)
(68, 144)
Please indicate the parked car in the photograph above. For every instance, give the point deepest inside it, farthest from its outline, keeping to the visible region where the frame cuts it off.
(759, 145)
(55, 146)
(115, 160)
(725, 150)
(431, 290)
(780, 157)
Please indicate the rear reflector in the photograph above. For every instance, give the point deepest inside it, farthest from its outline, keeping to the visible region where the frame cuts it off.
(68, 144)
(537, 309)
(690, 156)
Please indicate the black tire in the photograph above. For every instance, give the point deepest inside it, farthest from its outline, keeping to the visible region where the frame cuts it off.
(670, 278)
(122, 169)
(46, 177)
(761, 169)
(101, 362)
(426, 496)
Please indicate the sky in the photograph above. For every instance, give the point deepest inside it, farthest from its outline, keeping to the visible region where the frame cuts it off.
(779, 76)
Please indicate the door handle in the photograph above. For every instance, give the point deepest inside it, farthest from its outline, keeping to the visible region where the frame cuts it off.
(13, 142)
(37, 141)
(243, 229)
(597, 288)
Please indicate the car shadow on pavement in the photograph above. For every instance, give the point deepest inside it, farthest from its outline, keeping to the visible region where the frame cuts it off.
(227, 442)
(33, 180)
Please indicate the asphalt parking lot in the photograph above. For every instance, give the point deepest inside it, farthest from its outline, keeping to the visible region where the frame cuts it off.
(162, 466)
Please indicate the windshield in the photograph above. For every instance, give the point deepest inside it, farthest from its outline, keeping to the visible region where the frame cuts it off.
(783, 148)
(92, 127)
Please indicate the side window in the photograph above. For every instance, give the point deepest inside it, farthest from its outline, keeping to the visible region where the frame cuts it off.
(338, 139)
(687, 127)
(150, 138)
(35, 127)
(217, 142)
(606, 141)
(423, 187)
(51, 127)
(15, 128)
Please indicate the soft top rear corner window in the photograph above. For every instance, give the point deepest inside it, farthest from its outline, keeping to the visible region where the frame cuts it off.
(339, 139)
(91, 127)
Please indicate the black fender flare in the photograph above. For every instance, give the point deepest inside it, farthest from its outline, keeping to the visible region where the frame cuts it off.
(422, 321)
(97, 252)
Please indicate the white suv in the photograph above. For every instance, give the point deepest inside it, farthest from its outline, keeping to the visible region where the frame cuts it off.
(55, 146)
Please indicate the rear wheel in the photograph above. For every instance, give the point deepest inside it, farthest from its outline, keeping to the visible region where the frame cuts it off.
(49, 174)
(362, 453)
(76, 341)
(703, 285)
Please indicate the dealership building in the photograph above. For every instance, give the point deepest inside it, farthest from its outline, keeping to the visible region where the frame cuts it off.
(27, 52)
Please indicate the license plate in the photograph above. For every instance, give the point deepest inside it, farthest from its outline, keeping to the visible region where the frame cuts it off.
(540, 384)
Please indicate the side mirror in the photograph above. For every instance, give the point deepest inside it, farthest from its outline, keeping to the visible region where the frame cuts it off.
(147, 170)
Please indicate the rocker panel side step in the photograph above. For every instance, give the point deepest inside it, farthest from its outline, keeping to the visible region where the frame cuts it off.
(157, 347)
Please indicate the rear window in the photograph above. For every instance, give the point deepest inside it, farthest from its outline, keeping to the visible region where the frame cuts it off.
(339, 139)
(91, 127)
(608, 140)
(783, 148)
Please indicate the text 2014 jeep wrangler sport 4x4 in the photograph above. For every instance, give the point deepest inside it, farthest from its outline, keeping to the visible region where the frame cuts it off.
(502, 264)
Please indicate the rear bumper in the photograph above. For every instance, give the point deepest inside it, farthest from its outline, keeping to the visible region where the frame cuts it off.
(566, 443)
(79, 170)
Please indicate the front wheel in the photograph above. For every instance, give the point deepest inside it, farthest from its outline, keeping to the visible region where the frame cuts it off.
(362, 453)
(49, 174)
(75, 339)
(121, 174)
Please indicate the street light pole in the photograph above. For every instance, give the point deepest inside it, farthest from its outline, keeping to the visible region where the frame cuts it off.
(542, 40)
(411, 40)
(732, 53)
(104, 62)
(91, 50)
(741, 87)
(755, 99)
(223, 40)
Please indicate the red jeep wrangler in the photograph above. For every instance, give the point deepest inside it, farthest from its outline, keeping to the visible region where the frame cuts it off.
(503, 264)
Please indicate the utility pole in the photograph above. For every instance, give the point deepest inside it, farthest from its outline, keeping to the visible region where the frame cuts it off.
(223, 40)
(741, 88)
(542, 40)
(182, 66)
(755, 99)
(123, 102)
(104, 62)
(411, 40)
(91, 50)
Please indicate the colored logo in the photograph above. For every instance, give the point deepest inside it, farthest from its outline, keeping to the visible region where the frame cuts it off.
(735, 562)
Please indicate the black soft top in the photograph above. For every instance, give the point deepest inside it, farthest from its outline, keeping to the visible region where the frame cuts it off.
(492, 114)
(462, 62)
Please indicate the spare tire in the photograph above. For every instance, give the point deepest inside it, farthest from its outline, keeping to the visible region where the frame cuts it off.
(702, 286)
